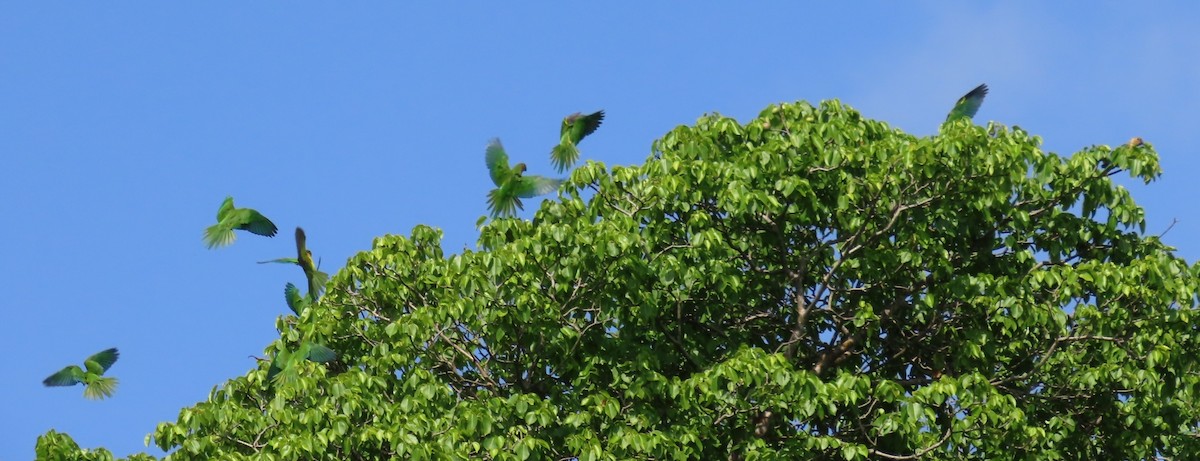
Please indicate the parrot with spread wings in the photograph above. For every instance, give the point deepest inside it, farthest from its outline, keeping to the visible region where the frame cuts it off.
(96, 385)
(230, 218)
(512, 184)
(968, 105)
(574, 128)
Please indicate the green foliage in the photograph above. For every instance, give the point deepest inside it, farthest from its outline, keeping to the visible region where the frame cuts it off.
(60, 447)
(809, 285)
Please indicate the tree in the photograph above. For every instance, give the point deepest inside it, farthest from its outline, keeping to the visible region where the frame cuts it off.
(60, 447)
(809, 285)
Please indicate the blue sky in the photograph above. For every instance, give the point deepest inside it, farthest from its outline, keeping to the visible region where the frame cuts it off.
(123, 126)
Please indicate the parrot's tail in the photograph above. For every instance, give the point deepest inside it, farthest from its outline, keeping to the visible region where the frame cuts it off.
(217, 236)
(100, 387)
(563, 156)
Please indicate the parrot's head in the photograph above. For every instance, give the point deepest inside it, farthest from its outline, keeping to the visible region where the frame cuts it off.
(1135, 142)
(570, 119)
(518, 169)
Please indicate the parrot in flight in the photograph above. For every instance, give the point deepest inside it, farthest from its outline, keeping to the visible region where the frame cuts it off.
(574, 128)
(512, 184)
(316, 279)
(283, 366)
(968, 105)
(97, 386)
(230, 218)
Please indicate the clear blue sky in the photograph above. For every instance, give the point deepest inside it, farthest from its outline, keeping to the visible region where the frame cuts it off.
(123, 125)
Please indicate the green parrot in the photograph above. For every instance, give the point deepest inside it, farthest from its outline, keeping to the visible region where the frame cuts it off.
(97, 386)
(574, 128)
(230, 218)
(283, 366)
(295, 302)
(512, 184)
(968, 105)
(316, 278)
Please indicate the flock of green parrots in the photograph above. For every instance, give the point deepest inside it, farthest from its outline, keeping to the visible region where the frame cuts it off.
(512, 185)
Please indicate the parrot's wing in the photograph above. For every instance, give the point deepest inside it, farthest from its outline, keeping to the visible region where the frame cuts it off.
(968, 105)
(282, 261)
(533, 186)
(568, 125)
(106, 358)
(281, 361)
(497, 161)
(321, 354)
(589, 123)
(255, 222)
(69, 376)
(225, 208)
(295, 301)
(274, 369)
(301, 244)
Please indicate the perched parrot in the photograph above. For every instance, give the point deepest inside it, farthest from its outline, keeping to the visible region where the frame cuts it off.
(968, 105)
(283, 366)
(574, 128)
(316, 279)
(91, 376)
(512, 184)
(1135, 142)
(230, 218)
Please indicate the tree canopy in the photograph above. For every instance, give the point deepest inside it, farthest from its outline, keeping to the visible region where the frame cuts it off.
(811, 284)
